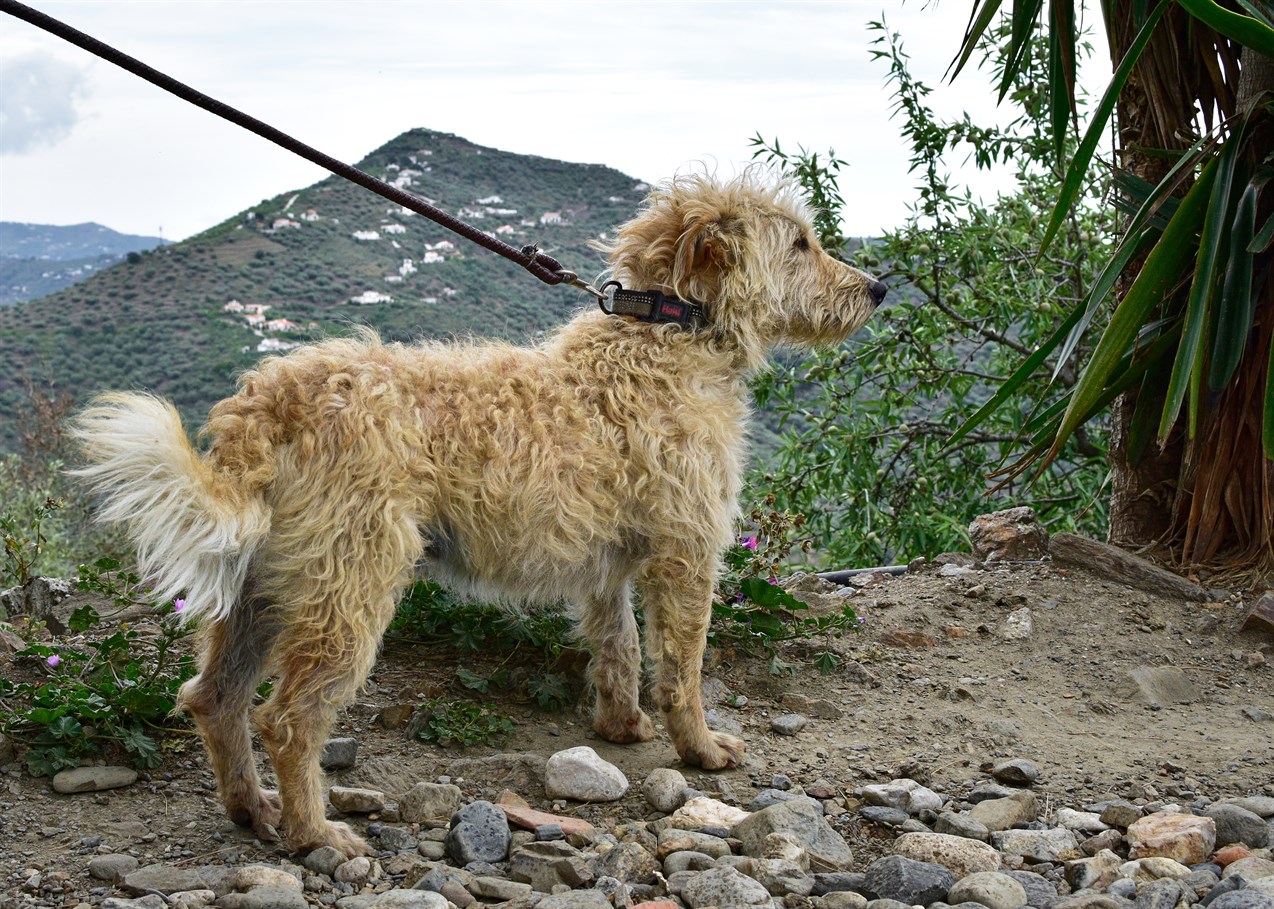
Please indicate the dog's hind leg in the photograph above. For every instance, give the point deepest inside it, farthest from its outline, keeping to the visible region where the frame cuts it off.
(677, 598)
(611, 629)
(338, 606)
(232, 661)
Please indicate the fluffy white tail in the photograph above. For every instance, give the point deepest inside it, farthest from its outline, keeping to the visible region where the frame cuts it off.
(194, 529)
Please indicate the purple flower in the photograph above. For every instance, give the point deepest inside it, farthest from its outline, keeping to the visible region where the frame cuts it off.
(862, 620)
(179, 604)
(53, 660)
(748, 543)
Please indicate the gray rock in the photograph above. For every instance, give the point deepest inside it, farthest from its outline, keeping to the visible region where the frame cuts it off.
(803, 819)
(167, 879)
(251, 876)
(1093, 873)
(672, 840)
(339, 754)
(688, 861)
(547, 865)
(580, 774)
(1161, 894)
(1037, 845)
(93, 779)
(904, 794)
(355, 871)
(788, 724)
(325, 860)
(722, 722)
(1243, 899)
(397, 839)
(987, 789)
(479, 833)
(411, 899)
(1238, 825)
(838, 881)
(269, 897)
(906, 880)
(1262, 805)
(429, 802)
(1120, 814)
(959, 855)
(882, 814)
(665, 789)
(575, 899)
(351, 800)
(723, 887)
(844, 899)
(111, 867)
(149, 901)
(628, 863)
(1000, 814)
(497, 888)
(779, 877)
(961, 824)
(1160, 686)
(768, 797)
(992, 889)
(1124, 887)
(1234, 882)
(887, 904)
(1040, 892)
(1250, 869)
(1013, 534)
(1017, 772)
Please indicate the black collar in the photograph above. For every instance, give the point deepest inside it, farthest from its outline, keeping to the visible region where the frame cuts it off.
(651, 306)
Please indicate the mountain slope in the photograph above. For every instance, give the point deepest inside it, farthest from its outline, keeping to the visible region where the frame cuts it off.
(39, 259)
(175, 320)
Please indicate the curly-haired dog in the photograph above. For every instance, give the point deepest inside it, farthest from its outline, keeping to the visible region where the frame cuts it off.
(607, 457)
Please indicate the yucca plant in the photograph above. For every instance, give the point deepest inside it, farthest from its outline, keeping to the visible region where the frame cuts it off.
(1184, 355)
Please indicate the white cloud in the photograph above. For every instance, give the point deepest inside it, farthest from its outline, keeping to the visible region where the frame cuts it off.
(38, 107)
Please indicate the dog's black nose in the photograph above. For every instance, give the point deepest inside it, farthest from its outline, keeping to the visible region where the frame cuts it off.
(877, 289)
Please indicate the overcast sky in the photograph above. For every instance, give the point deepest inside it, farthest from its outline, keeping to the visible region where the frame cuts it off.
(649, 88)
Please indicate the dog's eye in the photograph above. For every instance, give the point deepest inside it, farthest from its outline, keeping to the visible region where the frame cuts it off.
(802, 243)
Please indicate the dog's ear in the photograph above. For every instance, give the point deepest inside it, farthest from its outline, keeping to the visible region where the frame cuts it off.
(710, 245)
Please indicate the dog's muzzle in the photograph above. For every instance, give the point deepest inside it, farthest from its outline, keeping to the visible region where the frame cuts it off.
(877, 289)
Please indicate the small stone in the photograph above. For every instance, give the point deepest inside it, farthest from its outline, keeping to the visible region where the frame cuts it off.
(350, 800)
(1050, 845)
(1040, 892)
(904, 794)
(429, 802)
(546, 833)
(355, 871)
(882, 814)
(270, 897)
(1252, 868)
(1017, 772)
(339, 754)
(580, 774)
(1243, 899)
(960, 855)
(1261, 805)
(1001, 814)
(1161, 686)
(1013, 534)
(896, 877)
(788, 724)
(1018, 625)
(664, 789)
(1153, 868)
(961, 824)
(251, 876)
(1093, 873)
(628, 863)
(673, 840)
(479, 833)
(111, 867)
(721, 887)
(844, 899)
(1184, 837)
(324, 860)
(1238, 825)
(992, 889)
(416, 899)
(169, 879)
(1081, 821)
(706, 812)
(93, 779)
(803, 819)
(495, 888)
(1120, 814)
(779, 877)
(397, 839)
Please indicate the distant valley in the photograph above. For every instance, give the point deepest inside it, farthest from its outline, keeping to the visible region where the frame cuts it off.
(40, 259)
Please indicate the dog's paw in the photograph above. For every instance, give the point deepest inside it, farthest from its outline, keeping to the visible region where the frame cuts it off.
(262, 814)
(625, 730)
(339, 836)
(719, 753)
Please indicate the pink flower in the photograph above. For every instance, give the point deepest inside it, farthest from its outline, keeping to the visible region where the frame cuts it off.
(53, 660)
(179, 604)
(748, 543)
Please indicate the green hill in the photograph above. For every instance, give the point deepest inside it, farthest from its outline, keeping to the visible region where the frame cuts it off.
(175, 320)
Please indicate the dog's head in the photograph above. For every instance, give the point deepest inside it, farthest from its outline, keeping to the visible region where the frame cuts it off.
(746, 252)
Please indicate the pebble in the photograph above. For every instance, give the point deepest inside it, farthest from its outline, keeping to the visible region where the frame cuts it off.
(803, 819)
(429, 802)
(1187, 838)
(992, 889)
(349, 800)
(665, 789)
(111, 867)
(479, 833)
(93, 779)
(1016, 772)
(960, 855)
(339, 754)
(581, 775)
(788, 724)
(1235, 824)
(908, 881)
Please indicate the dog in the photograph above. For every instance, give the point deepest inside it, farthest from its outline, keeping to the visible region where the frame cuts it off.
(605, 459)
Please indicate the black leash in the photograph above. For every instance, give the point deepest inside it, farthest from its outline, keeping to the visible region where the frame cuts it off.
(542, 265)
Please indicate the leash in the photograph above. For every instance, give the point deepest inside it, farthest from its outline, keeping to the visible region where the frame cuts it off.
(540, 264)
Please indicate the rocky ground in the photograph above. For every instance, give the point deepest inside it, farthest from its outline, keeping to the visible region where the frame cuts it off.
(1002, 735)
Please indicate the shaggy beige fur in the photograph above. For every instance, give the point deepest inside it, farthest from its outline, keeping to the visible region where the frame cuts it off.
(607, 457)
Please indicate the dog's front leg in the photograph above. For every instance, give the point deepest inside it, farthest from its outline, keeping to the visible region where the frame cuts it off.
(677, 597)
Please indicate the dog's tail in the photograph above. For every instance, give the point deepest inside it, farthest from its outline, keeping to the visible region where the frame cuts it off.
(194, 528)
